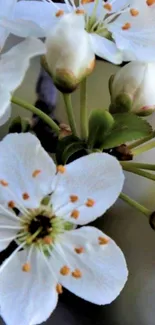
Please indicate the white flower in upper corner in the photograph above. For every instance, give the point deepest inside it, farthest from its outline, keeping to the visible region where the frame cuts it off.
(52, 201)
(13, 67)
(135, 84)
(118, 30)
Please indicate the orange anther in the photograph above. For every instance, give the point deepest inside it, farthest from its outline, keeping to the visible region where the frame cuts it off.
(77, 274)
(47, 240)
(126, 26)
(74, 198)
(90, 203)
(59, 13)
(107, 6)
(11, 204)
(86, 1)
(59, 288)
(134, 12)
(26, 267)
(25, 196)
(150, 2)
(3, 182)
(65, 270)
(75, 214)
(36, 173)
(79, 250)
(80, 12)
(61, 169)
(103, 240)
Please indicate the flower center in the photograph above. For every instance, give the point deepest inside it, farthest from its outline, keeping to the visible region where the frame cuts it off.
(41, 222)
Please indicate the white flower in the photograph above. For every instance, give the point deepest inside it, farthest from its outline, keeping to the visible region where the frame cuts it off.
(136, 80)
(118, 30)
(13, 67)
(50, 200)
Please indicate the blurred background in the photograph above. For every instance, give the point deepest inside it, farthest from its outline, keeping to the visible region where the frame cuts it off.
(125, 225)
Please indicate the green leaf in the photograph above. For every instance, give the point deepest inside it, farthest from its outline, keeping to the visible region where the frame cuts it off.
(100, 124)
(127, 127)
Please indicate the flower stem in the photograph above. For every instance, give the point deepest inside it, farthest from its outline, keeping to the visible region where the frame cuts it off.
(126, 164)
(83, 109)
(146, 147)
(139, 172)
(135, 204)
(69, 111)
(141, 141)
(36, 111)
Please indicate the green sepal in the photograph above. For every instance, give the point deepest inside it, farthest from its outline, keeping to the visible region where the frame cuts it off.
(67, 147)
(122, 103)
(100, 124)
(19, 125)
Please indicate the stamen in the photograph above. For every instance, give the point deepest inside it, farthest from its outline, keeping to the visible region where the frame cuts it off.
(103, 240)
(150, 2)
(108, 6)
(65, 270)
(83, 2)
(61, 169)
(79, 250)
(79, 11)
(25, 196)
(48, 265)
(36, 173)
(73, 198)
(59, 288)
(47, 240)
(11, 204)
(59, 13)
(126, 26)
(134, 12)
(26, 267)
(4, 183)
(77, 274)
(9, 213)
(75, 214)
(90, 203)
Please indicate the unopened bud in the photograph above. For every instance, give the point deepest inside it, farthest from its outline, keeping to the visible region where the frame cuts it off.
(132, 89)
(70, 56)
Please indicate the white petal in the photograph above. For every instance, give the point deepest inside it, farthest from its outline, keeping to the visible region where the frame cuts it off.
(7, 10)
(15, 62)
(7, 218)
(13, 66)
(98, 177)
(5, 109)
(22, 28)
(106, 49)
(27, 298)
(103, 267)
(39, 12)
(20, 156)
(137, 42)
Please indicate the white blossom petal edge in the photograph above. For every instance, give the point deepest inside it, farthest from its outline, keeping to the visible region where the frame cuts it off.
(55, 254)
(13, 67)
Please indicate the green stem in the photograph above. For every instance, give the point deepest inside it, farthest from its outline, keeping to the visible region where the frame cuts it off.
(141, 141)
(139, 172)
(83, 109)
(126, 164)
(135, 204)
(69, 111)
(146, 147)
(36, 111)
